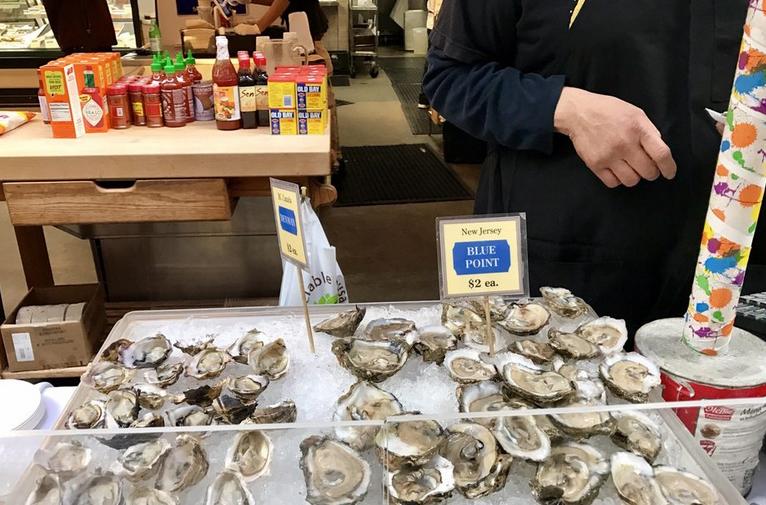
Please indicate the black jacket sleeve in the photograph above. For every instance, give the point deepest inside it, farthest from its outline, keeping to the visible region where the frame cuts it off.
(472, 83)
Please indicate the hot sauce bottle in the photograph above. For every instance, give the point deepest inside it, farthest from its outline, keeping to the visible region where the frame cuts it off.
(261, 90)
(225, 88)
(183, 78)
(191, 69)
(157, 74)
(247, 103)
(174, 103)
(92, 103)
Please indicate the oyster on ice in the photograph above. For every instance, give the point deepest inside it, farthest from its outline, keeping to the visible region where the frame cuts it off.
(498, 308)
(571, 345)
(457, 317)
(526, 319)
(250, 454)
(122, 407)
(588, 385)
(413, 442)
(149, 352)
(230, 409)
(563, 302)
(248, 387)
(47, 490)
(195, 347)
(479, 469)
(99, 489)
(68, 459)
(189, 415)
(229, 488)
(141, 461)
(184, 465)
(113, 350)
(372, 361)
(572, 475)
(637, 433)
(584, 424)
(335, 474)
(208, 363)
(483, 396)
(630, 376)
(390, 330)
(607, 333)
(434, 342)
(91, 414)
(683, 488)
(425, 484)
(106, 376)
(149, 420)
(363, 402)
(466, 366)
(477, 338)
(164, 375)
(244, 345)
(634, 479)
(150, 396)
(271, 360)
(538, 352)
(521, 437)
(531, 381)
(343, 324)
(202, 395)
(283, 412)
(147, 496)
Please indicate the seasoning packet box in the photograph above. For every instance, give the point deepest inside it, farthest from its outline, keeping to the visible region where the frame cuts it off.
(282, 90)
(311, 89)
(63, 97)
(312, 121)
(283, 122)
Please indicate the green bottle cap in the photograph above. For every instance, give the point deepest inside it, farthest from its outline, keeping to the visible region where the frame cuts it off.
(156, 64)
(170, 68)
(190, 58)
(90, 79)
(180, 65)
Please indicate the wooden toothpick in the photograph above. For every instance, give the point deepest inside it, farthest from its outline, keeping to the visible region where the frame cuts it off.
(309, 330)
(490, 333)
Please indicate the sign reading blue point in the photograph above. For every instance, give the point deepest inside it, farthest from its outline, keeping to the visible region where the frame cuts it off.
(287, 220)
(483, 257)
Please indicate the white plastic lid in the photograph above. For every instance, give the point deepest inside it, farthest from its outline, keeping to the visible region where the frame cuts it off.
(21, 405)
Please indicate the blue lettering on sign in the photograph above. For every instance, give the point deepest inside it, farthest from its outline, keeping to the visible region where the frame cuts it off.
(287, 220)
(483, 257)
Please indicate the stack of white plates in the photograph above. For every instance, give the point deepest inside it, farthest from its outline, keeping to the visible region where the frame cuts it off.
(21, 406)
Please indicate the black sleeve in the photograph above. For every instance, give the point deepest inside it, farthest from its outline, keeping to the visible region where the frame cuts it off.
(471, 82)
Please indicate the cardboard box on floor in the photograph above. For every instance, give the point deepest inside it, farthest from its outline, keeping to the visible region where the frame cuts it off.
(42, 346)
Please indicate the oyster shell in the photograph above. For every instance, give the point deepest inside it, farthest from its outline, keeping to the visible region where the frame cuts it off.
(479, 469)
(230, 409)
(683, 488)
(122, 407)
(246, 344)
(335, 474)
(607, 333)
(202, 396)
(563, 302)
(91, 414)
(390, 330)
(271, 360)
(526, 319)
(427, 484)
(141, 461)
(67, 459)
(634, 479)
(149, 420)
(484, 396)
(412, 442)
(584, 424)
(363, 402)
(532, 382)
(372, 361)
(476, 338)
(520, 436)
(498, 308)
(466, 366)
(165, 375)
(98, 489)
(147, 496)
(588, 386)
(106, 376)
(184, 465)
(572, 475)
(150, 396)
(433, 342)
(630, 376)
(47, 491)
(148, 352)
(458, 317)
(571, 345)
(538, 352)
(208, 363)
(229, 488)
(248, 387)
(189, 415)
(113, 350)
(250, 454)
(196, 346)
(637, 433)
(284, 412)
(343, 324)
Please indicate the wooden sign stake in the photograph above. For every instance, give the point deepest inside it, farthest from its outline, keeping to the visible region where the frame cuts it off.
(490, 333)
(309, 330)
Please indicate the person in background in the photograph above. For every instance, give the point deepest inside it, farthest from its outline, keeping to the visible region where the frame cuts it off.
(433, 6)
(81, 25)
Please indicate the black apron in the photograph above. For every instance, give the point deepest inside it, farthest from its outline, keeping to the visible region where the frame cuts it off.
(629, 251)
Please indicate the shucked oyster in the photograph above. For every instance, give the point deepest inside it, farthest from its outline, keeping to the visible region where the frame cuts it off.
(538, 352)
(390, 330)
(147, 496)
(460, 316)
(47, 491)
(363, 402)
(149, 420)
(584, 424)
(189, 415)
(484, 396)
(563, 302)
(530, 381)
(229, 488)
(271, 360)
(572, 475)
(150, 396)
(250, 454)
(637, 433)
(425, 484)
(372, 361)
(196, 346)
(246, 344)
(479, 469)
(571, 345)
(68, 459)
(248, 387)
(106, 376)
(184, 465)
(588, 385)
(343, 324)
(477, 338)
(634, 479)
(207, 363)
(91, 414)
(165, 375)
(520, 436)
(230, 409)
(202, 396)
(498, 308)
(413, 442)
(122, 408)
(141, 461)
(630, 376)
(608, 334)
(98, 489)
(466, 366)
(433, 342)
(526, 319)
(148, 352)
(113, 350)
(284, 412)
(683, 488)
(335, 474)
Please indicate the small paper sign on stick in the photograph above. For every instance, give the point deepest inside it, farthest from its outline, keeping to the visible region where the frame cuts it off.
(482, 257)
(286, 199)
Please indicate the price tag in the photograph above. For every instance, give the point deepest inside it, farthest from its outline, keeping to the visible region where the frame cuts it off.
(286, 198)
(482, 256)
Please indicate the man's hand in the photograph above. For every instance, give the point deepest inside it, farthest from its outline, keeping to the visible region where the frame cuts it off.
(615, 139)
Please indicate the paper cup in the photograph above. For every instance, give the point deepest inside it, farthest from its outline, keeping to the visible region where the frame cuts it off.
(736, 198)
(744, 141)
(755, 24)
(750, 78)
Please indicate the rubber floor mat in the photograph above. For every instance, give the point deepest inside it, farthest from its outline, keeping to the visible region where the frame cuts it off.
(420, 123)
(403, 69)
(406, 173)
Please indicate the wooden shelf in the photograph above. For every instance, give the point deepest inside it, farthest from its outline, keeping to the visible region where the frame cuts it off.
(53, 373)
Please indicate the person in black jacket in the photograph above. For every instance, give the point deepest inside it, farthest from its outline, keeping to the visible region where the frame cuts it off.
(81, 25)
(594, 112)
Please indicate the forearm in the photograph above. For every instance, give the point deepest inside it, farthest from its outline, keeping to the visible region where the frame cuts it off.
(275, 10)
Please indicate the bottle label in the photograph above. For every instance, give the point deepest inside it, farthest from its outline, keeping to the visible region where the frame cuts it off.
(247, 99)
(262, 97)
(174, 105)
(138, 109)
(92, 112)
(226, 102)
(44, 110)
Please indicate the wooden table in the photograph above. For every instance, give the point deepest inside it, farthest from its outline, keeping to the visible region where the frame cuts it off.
(140, 174)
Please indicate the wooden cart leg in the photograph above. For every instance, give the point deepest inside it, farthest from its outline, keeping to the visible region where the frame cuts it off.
(34, 256)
